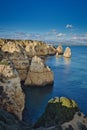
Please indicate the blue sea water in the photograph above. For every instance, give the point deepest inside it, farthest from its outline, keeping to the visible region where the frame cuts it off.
(70, 80)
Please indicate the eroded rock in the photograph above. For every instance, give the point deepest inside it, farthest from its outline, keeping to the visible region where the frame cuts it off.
(67, 53)
(21, 64)
(10, 47)
(60, 50)
(12, 98)
(39, 74)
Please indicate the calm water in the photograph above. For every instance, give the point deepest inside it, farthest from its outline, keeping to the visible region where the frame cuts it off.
(70, 80)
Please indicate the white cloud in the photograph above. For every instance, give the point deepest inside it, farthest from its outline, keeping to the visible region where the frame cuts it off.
(69, 26)
(60, 34)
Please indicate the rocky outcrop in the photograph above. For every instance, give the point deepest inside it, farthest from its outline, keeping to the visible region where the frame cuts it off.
(62, 113)
(67, 53)
(39, 49)
(79, 122)
(20, 53)
(39, 74)
(10, 47)
(60, 50)
(12, 98)
(17, 55)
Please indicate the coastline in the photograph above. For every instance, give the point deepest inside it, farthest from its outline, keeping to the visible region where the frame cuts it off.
(28, 64)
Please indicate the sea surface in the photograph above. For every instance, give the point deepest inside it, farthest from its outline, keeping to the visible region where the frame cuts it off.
(70, 80)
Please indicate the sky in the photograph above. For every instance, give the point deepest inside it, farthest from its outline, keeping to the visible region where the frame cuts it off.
(48, 20)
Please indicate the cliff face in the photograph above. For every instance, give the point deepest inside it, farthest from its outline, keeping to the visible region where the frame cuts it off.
(20, 53)
(31, 48)
(12, 98)
(21, 64)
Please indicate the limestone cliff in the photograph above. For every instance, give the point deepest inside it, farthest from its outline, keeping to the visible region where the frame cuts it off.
(31, 47)
(12, 98)
(39, 74)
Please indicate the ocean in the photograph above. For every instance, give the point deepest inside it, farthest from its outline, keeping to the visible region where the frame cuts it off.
(70, 80)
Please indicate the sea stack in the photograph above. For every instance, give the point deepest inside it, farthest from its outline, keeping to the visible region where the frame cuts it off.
(60, 50)
(67, 53)
(39, 74)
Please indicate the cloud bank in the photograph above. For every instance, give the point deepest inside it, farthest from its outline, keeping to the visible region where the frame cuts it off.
(53, 35)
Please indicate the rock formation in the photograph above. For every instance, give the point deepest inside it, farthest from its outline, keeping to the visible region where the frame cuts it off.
(21, 64)
(62, 114)
(12, 98)
(31, 47)
(39, 49)
(20, 52)
(39, 74)
(67, 53)
(10, 47)
(60, 50)
(79, 122)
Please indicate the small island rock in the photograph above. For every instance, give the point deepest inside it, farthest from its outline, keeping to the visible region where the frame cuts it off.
(67, 53)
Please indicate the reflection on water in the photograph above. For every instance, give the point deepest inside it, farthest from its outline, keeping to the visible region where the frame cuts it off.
(58, 60)
(62, 60)
(36, 101)
(67, 60)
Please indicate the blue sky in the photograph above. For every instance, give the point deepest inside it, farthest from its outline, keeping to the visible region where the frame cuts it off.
(59, 20)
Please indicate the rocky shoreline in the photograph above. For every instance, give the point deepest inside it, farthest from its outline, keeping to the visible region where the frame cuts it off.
(20, 61)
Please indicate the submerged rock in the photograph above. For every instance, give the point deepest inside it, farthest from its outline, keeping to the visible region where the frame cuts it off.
(67, 53)
(12, 98)
(39, 74)
(61, 114)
